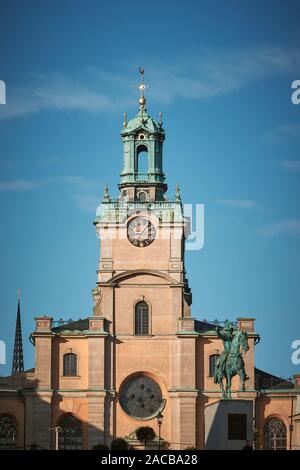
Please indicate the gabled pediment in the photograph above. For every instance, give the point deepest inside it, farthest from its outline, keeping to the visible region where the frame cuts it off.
(143, 276)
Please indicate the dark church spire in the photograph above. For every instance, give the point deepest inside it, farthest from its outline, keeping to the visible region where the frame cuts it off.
(18, 360)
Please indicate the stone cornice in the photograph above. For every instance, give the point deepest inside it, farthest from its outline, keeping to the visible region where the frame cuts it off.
(82, 333)
(278, 391)
(185, 333)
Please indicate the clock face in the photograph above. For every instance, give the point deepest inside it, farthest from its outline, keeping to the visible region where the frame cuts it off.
(141, 397)
(140, 231)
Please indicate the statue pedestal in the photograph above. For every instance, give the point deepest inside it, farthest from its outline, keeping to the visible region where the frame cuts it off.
(228, 424)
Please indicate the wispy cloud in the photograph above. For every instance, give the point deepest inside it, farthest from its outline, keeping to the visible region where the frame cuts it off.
(78, 182)
(239, 203)
(213, 73)
(290, 165)
(53, 92)
(284, 227)
(18, 185)
(26, 185)
(204, 75)
(281, 133)
(85, 193)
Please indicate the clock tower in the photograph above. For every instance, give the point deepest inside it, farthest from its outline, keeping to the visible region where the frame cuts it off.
(142, 293)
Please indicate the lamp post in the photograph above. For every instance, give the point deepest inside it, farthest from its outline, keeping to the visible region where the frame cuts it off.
(159, 418)
(56, 429)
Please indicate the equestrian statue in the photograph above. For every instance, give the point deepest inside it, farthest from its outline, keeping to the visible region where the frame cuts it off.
(231, 362)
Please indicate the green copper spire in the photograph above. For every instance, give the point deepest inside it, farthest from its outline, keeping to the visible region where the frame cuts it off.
(143, 134)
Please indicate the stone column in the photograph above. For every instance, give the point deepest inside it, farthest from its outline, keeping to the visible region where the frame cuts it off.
(39, 410)
(183, 418)
(43, 349)
(96, 421)
(183, 397)
(41, 418)
(96, 394)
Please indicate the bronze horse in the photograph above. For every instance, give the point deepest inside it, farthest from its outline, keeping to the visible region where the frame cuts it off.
(233, 364)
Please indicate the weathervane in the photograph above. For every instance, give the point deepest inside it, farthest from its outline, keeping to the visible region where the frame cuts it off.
(142, 87)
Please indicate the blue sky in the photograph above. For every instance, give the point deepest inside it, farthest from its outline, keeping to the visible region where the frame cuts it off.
(221, 73)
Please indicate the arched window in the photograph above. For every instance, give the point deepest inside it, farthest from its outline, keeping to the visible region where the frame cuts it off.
(213, 364)
(142, 159)
(275, 434)
(142, 196)
(70, 364)
(8, 432)
(141, 323)
(70, 434)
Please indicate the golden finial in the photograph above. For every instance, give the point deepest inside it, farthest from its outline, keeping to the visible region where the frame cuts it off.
(142, 87)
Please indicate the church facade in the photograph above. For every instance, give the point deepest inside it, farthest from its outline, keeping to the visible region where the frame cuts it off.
(141, 354)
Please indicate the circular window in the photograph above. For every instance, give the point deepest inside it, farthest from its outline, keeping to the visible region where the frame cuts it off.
(141, 397)
(142, 136)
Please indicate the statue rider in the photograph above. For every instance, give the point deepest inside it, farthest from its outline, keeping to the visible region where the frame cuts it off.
(226, 334)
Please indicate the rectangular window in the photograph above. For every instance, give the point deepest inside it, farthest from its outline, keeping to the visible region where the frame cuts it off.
(70, 364)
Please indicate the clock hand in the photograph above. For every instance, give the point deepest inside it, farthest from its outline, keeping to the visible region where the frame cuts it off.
(143, 230)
